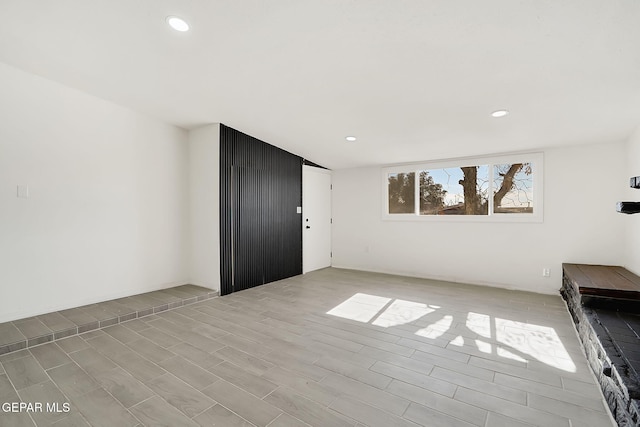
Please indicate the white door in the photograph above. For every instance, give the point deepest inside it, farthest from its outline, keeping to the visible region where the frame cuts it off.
(316, 218)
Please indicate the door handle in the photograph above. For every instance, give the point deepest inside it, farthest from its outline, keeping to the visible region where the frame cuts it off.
(308, 226)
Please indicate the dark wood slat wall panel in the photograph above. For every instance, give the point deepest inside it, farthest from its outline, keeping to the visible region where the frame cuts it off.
(260, 230)
(226, 247)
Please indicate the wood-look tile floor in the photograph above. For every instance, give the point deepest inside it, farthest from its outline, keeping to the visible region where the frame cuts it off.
(330, 348)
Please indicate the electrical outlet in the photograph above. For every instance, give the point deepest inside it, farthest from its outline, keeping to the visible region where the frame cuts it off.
(546, 272)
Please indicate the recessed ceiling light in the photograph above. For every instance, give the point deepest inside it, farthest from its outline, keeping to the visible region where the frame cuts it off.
(499, 113)
(351, 138)
(177, 24)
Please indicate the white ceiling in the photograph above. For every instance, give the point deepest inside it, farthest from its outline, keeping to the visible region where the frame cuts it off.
(412, 79)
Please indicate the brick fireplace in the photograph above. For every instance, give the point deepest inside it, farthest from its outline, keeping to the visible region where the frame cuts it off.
(604, 302)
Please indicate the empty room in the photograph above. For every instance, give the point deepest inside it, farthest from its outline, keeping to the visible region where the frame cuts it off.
(319, 213)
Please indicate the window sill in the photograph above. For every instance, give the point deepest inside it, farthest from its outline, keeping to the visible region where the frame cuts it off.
(495, 218)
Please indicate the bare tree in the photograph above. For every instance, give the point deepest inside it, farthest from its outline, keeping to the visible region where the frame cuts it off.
(470, 185)
(507, 184)
(474, 204)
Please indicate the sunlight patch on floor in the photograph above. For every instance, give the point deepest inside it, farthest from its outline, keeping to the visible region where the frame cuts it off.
(484, 347)
(510, 339)
(479, 323)
(401, 312)
(457, 341)
(360, 307)
(540, 342)
(509, 355)
(437, 329)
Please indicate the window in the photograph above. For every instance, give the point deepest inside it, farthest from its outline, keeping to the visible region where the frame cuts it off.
(487, 189)
(513, 188)
(401, 193)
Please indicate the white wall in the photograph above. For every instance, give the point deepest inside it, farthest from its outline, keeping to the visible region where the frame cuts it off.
(107, 214)
(580, 225)
(632, 222)
(204, 179)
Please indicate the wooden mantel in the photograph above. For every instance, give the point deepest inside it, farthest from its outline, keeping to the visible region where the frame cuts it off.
(603, 281)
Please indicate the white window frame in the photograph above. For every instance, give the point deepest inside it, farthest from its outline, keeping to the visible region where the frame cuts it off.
(536, 159)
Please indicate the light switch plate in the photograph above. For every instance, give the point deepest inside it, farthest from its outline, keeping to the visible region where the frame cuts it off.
(299, 209)
(23, 191)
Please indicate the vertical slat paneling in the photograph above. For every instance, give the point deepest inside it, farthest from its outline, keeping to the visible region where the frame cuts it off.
(226, 213)
(260, 230)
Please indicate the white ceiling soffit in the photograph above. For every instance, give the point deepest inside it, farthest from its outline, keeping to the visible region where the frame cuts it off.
(411, 79)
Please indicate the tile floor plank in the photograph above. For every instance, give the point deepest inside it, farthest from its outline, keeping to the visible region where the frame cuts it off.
(493, 389)
(421, 380)
(155, 412)
(366, 376)
(72, 344)
(372, 395)
(438, 402)
(25, 372)
(150, 350)
(181, 395)
(254, 384)
(556, 393)
(125, 388)
(497, 420)
(511, 409)
(139, 367)
(92, 361)
(304, 409)
(45, 393)
(244, 360)
(102, 410)
(579, 414)
(122, 333)
(322, 349)
(252, 347)
(453, 365)
(72, 380)
(246, 405)
(218, 415)
(161, 338)
(74, 420)
(193, 375)
(49, 355)
(286, 420)
(195, 355)
(292, 363)
(367, 414)
(430, 418)
(17, 419)
(7, 392)
(304, 386)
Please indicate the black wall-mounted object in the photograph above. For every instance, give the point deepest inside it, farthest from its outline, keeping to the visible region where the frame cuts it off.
(628, 207)
(260, 226)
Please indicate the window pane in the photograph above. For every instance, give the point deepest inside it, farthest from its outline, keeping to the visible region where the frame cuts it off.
(454, 191)
(401, 193)
(513, 188)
